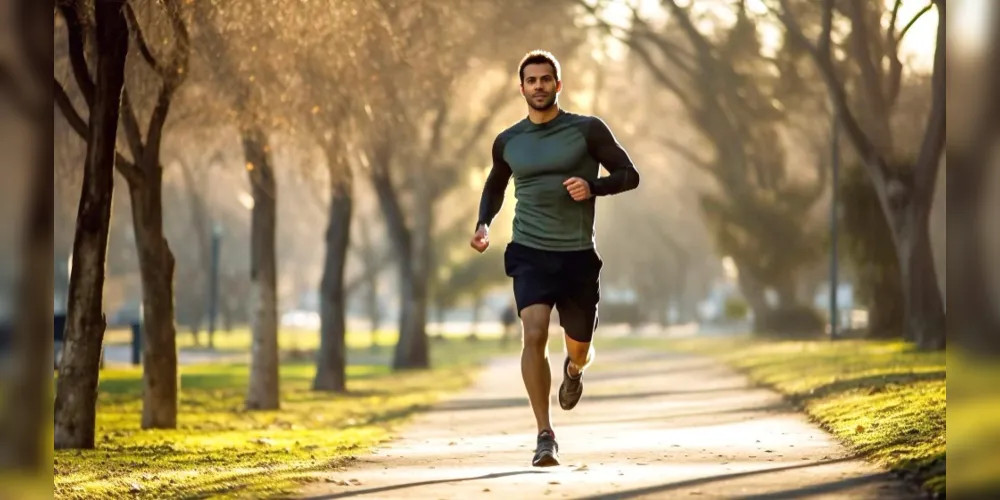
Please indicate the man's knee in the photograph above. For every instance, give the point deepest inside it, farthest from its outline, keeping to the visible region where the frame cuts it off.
(535, 326)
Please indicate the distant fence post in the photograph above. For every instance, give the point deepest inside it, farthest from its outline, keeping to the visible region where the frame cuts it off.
(136, 343)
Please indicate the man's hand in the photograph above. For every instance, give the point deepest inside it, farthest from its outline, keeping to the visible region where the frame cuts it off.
(481, 240)
(578, 188)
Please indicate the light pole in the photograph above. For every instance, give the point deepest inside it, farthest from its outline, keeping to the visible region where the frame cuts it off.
(834, 213)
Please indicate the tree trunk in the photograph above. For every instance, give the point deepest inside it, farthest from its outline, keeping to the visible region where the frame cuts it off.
(76, 389)
(331, 358)
(202, 233)
(886, 312)
(263, 392)
(477, 306)
(159, 333)
(787, 298)
(371, 272)
(412, 349)
(753, 293)
(973, 315)
(412, 253)
(28, 399)
(925, 316)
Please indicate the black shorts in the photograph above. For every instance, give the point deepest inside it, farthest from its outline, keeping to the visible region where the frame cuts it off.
(568, 281)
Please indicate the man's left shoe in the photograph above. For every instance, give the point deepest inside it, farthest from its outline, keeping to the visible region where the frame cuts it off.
(571, 388)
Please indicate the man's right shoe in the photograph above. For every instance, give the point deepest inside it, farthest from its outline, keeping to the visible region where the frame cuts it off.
(547, 451)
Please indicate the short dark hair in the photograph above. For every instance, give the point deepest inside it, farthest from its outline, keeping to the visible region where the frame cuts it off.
(538, 57)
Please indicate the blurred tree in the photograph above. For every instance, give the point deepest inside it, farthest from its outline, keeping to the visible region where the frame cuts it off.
(431, 49)
(972, 286)
(76, 387)
(868, 242)
(27, 394)
(246, 76)
(759, 210)
(905, 189)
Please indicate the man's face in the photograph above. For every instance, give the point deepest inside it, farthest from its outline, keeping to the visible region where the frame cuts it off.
(539, 86)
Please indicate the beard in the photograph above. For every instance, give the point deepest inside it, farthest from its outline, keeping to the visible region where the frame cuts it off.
(545, 105)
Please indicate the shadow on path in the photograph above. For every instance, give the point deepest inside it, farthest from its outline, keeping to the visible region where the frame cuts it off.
(495, 475)
(494, 403)
(822, 488)
(661, 488)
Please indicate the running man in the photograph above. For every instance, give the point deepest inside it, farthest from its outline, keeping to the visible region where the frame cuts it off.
(554, 158)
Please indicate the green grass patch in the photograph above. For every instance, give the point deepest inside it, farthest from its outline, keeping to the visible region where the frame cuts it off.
(239, 340)
(885, 400)
(974, 432)
(219, 450)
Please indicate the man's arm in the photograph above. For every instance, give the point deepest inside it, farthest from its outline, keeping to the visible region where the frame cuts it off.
(603, 146)
(496, 184)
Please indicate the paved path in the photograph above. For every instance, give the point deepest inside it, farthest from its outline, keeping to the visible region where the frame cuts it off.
(653, 426)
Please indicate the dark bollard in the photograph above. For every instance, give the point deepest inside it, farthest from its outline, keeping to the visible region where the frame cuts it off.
(136, 344)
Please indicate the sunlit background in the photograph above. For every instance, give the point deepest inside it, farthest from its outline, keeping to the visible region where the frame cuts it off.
(731, 230)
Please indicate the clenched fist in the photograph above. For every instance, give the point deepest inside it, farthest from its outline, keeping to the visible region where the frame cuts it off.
(481, 240)
(578, 188)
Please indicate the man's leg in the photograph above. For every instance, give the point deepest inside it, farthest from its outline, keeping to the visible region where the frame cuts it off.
(534, 289)
(578, 316)
(535, 361)
(538, 379)
(579, 327)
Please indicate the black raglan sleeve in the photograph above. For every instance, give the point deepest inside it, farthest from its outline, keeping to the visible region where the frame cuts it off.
(604, 148)
(496, 184)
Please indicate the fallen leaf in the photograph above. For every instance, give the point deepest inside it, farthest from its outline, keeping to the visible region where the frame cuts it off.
(859, 429)
(486, 490)
(553, 482)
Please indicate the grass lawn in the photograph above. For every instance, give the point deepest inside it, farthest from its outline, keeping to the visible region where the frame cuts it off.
(883, 399)
(975, 429)
(289, 339)
(221, 451)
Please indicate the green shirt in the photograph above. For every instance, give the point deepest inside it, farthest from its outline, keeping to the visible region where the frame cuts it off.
(540, 157)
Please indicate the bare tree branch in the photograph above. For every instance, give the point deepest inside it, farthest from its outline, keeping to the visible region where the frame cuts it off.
(827, 25)
(495, 104)
(131, 125)
(661, 76)
(689, 155)
(140, 40)
(928, 161)
(68, 110)
(871, 81)
(670, 50)
(914, 20)
(890, 34)
(862, 143)
(701, 45)
(76, 55)
(127, 169)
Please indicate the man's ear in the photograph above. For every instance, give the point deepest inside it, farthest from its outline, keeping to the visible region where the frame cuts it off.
(558, 86)
(521, 86)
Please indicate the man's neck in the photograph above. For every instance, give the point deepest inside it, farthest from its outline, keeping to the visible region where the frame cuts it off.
(539, 117)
